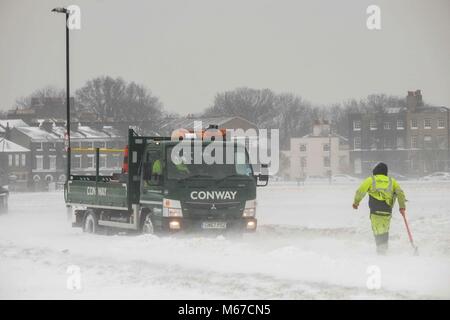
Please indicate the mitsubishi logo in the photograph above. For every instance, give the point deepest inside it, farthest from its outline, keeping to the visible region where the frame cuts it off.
(213, 207)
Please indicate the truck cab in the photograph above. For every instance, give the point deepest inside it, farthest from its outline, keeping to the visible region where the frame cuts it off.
(189, 196)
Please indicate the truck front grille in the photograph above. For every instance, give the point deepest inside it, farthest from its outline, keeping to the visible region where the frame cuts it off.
(218, 210)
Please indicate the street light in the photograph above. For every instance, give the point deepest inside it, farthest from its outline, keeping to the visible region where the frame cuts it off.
(448, 137)
(67, 13)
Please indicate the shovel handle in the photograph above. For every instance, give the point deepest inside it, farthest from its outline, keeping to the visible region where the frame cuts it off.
(408, 230)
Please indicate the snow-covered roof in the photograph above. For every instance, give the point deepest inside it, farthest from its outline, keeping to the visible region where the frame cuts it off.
(38, 134)
(206, 121)
(91, 133)
(12, 123)
(61, 131)
(113, 133)
(9, 146)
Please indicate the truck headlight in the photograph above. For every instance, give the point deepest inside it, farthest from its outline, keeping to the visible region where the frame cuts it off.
(250, 209)
(172, 208)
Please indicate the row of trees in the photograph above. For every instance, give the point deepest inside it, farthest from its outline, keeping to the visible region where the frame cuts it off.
(118, 100)
(109, 99)
(291, 114)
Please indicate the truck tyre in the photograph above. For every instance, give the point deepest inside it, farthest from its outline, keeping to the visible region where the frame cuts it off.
(91, 223)
(147, 225)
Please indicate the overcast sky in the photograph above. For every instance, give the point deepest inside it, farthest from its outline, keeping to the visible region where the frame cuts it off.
(186, 51)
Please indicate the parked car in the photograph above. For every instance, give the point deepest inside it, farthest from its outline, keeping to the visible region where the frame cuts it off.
(342, 178)
(397, 176)
(437, 176)
(316, 179)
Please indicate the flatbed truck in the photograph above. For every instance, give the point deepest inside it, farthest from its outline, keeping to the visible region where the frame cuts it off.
(152, 197)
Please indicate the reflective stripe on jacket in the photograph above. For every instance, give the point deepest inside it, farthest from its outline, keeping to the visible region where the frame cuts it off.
(383, 191)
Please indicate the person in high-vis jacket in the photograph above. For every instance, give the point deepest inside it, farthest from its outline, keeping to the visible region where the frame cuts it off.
(383, 191)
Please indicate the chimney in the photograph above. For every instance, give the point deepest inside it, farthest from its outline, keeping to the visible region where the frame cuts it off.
(47, 125)
(414, 100)
(74, 126)
(418, 95)
(321, 128)
(317, 128)
(7, 131)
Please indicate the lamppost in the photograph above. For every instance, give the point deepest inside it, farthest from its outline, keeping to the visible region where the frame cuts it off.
(448, 137)
(330, 172)
(67, 13)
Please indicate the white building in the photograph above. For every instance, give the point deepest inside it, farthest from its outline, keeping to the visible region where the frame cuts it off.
(318, 154)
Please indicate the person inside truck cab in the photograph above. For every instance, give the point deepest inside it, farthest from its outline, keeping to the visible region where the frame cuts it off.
(154, 173)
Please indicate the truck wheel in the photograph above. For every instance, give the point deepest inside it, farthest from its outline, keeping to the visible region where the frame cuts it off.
(90, 223)
(147, 226)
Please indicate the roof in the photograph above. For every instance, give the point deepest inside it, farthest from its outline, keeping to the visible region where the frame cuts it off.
(12, 123)
(61, 131)
(188, 123)
(91, 133)
(112, 132)
(38, 134)
(9, 146)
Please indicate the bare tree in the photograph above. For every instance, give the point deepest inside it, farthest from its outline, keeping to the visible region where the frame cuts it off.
(41, 94)
(114, 99)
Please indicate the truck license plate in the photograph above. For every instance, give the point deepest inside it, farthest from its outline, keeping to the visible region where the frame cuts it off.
(214, 225)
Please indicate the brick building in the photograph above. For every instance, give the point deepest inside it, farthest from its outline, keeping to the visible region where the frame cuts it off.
(413, 140)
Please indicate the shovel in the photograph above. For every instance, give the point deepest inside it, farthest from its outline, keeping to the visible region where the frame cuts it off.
(416, 249)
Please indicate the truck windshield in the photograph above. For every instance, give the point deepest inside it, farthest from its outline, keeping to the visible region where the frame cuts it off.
(187, 169)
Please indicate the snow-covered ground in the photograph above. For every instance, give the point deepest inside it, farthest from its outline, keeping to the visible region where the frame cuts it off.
(310, 245)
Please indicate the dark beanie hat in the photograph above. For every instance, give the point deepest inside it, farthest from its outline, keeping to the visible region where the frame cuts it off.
(380, 168)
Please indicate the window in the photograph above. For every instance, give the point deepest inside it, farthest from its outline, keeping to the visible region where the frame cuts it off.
(373, 145)
(102, 161)
(51, 146)
(17, 160)
(39, 146)
(76, 162)
(387, 143)
(357, 125)
(441, 123)
(427, 123)
(24, 160)
(414, 142)
(326, 162)
(90, 161)
(414, 124)
(303, 162)
(400, 143)
(100, 144)
(326, 147)
(75, 144)
(10, 160)
(303, 147)
(357, 165)
(373, 124)
(427, 142)
(87, 144)
(442, 142)
(357, 143)
(39, 162)
(52, 162)
(387, 126)
(117, 162)
(400, 125)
